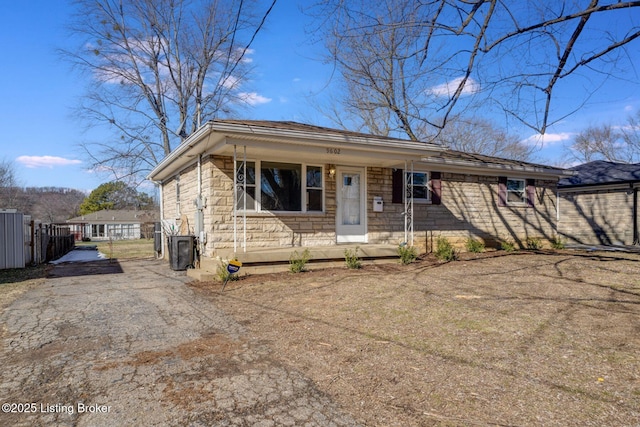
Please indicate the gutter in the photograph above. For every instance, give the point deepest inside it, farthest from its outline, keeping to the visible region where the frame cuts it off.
(492, 168)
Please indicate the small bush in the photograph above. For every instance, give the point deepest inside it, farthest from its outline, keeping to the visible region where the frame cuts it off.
(507, 245)
(557, 243)
(534, 243)
(444, 250)
(474, 245)
(298, 262)
(407, 254)
(352, 259)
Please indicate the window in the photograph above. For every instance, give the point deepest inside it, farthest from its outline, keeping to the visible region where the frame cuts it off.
(250, 184)
(280, 186)
(516, 192)
(314, 188)
(427, 186)
(420, 185)
(284, 187)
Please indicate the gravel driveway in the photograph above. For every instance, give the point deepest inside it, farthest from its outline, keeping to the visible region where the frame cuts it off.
(128, 343)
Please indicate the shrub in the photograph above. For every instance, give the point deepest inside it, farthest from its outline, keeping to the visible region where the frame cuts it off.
(507, 245)
(407, 254)
(352, 259)
(557, 243)
(297, 262)
(444, 250)
(474, 245)
(534, 243)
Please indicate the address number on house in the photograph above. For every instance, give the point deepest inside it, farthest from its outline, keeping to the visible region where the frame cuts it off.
(333, 151)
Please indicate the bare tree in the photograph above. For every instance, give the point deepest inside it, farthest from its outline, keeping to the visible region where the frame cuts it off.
(419, 64)
(159, 68)
(482, 137)
(620, 144)
(9, 187)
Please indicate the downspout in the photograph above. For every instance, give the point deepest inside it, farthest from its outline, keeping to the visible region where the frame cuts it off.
(635, 216)
(557, 227)
(200, 205)
(161, 220)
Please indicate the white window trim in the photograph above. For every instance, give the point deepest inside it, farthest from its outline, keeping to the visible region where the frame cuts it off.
(419, 200)
(524, 201)
(303, 189)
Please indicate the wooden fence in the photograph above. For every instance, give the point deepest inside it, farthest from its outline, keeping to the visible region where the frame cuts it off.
(24, 241)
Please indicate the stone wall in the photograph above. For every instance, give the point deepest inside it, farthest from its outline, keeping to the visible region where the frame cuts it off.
(469, 209)
(596, 217)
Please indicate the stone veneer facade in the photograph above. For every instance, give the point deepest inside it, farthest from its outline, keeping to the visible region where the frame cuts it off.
(469, 208)
(597, 217)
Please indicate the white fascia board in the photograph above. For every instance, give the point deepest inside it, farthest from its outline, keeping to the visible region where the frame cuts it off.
(186, 154)
(493, 169)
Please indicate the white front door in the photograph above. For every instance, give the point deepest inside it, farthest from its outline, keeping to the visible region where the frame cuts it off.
(351, 221)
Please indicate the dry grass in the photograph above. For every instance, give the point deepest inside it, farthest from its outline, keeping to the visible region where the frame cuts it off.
(123, 249)
(14, 282)
(492, 339)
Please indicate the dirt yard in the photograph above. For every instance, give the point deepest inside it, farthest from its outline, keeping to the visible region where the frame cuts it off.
(494, 339)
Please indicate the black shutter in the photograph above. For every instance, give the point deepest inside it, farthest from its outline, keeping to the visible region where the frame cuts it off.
(436, 188)
(397, 186)
(531, 192)
(502, 191)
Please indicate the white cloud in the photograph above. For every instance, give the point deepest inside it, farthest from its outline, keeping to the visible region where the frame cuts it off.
(449, 88)
(548, 138)
(628, 108)
(46, 161)
(252, 98)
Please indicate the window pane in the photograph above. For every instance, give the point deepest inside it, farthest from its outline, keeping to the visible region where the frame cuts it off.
(281, 186)
(251, 173)
(251, 198)
(314, 198)
(249, 182)
(515, 185)
(420, 189)
(314, 176)
(516, 191)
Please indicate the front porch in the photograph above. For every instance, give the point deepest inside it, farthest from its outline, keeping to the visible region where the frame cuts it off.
(272, 260)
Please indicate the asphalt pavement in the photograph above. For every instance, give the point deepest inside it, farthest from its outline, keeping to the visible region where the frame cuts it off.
(128, 343)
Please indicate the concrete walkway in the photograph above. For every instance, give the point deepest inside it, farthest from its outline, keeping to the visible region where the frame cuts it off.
(112, 344)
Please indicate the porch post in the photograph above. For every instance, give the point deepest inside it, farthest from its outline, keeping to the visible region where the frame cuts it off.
(244, 199)
(239, 197)
(235, 200)
(408, 204)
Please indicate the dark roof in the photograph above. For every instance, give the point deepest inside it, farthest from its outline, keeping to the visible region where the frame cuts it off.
(601, 172)
(295, 126)
(481, 158)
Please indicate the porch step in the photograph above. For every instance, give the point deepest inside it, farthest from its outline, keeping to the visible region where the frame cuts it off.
(263, 261)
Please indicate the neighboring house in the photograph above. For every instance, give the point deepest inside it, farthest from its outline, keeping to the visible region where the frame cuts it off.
(599, 205)
(114, 224)
(245, 185)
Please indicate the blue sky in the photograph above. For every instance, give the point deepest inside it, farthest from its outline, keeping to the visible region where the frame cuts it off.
(38, 91)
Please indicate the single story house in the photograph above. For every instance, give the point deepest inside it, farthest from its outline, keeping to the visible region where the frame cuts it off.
(114, 224)
(599, 204)
(245, 185)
